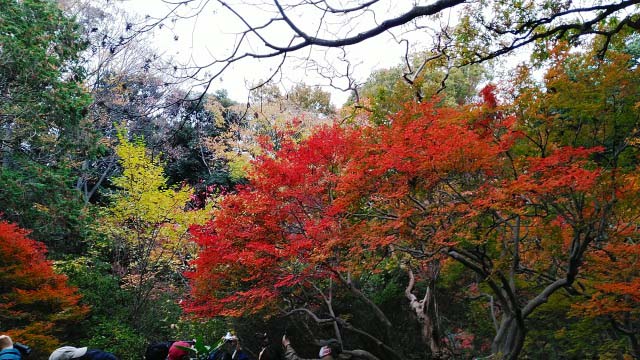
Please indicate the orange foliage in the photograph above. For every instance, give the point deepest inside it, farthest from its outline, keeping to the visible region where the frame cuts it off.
(36, 304)
(304, 214)
(528, 211)
(434, 183)
(615, 278)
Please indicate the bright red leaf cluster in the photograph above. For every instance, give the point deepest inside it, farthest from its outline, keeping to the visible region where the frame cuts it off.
(433, 185)
(263, 239)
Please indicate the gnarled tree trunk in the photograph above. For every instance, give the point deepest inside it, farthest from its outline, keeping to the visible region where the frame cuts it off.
(426, 311)
(509, 339)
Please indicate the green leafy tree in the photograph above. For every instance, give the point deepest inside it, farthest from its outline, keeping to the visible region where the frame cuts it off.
(386, 90)
(42, 127)
(42, 101)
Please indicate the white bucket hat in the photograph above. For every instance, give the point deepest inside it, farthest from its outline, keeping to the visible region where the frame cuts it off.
(227, 337)
(67, 353)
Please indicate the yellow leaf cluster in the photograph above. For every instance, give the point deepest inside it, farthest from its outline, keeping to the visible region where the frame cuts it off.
(147, 220)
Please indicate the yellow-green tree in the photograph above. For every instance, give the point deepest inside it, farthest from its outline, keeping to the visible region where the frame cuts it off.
(147, 224)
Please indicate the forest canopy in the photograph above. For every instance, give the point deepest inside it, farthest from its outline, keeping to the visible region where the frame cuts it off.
(452, 208)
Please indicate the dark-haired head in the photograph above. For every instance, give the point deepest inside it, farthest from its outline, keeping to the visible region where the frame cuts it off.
(157, 351)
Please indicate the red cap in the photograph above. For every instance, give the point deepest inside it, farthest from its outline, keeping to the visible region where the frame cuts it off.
(176, 353)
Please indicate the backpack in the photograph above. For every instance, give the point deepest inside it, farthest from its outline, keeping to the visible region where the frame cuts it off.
(10, 354)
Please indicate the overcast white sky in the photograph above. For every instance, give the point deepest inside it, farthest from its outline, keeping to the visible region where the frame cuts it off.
(212, 34)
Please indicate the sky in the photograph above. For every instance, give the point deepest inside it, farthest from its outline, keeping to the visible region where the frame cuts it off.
(212, 34)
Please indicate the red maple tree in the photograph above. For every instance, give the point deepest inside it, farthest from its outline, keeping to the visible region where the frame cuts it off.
(434, 185)
(36, 304)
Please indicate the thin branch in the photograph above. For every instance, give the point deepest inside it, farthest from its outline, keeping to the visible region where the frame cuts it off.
(311, 314)
(352, 287)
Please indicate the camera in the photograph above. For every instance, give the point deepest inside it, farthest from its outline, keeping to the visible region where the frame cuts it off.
(24, 349)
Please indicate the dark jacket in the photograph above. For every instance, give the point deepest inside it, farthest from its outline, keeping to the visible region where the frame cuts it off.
(10, 354)
(93, 354)
(219, 355)
(222, 355)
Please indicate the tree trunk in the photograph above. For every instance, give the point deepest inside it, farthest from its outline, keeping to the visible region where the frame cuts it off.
(509, 340)
(430, 329)
(635, 347)
(6, 149)
(426, 311)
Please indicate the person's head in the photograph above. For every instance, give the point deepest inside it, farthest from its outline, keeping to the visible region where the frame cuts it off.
(263, 339)
(67, 353)
(177, 351)
(157, 351)
(5, 342)
(230, 342)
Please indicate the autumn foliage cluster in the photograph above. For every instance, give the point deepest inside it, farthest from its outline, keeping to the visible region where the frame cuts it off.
(534, 198)
(36, 304)
(436, 215)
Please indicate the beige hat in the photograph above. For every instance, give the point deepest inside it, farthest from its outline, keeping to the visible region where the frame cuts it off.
(67, 352)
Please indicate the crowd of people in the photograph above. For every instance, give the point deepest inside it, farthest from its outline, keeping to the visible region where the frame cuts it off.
(11, 351)
(229, 349)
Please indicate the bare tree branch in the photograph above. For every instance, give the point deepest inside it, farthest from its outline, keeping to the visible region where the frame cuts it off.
(415, 12)
(269, 22)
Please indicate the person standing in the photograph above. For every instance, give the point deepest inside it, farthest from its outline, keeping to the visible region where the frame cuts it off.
(229, 350)
(269, 351)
